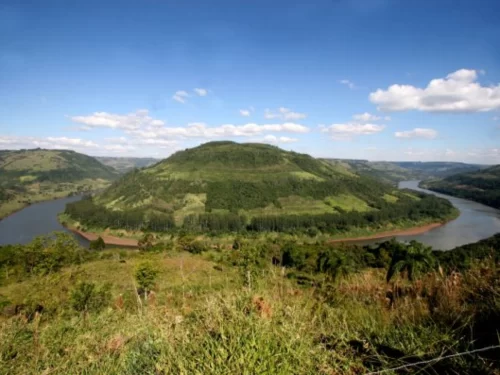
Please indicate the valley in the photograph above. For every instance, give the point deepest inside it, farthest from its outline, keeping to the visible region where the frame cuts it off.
(228, 257)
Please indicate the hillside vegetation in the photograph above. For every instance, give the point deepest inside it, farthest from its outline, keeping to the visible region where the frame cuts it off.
(126, 164)
(481, 186)
(225, 186)
(281, 305)
(28, 176)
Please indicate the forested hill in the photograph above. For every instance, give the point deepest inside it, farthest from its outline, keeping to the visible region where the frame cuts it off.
(50, 165)
(231, 186)
(481, 186)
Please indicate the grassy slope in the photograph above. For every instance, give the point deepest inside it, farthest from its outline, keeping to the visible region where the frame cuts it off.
(187, 182)
(29, 176)
(204, 321)
(482, 186)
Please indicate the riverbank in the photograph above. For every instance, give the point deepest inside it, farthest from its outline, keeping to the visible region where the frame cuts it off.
(393, 233)
(131, 242)
(108, 240)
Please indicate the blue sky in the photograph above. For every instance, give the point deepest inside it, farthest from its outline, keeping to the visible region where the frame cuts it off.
(365, 79)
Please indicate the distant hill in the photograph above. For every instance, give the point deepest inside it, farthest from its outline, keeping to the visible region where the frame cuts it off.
(394, 172)
(125, 164)
(251, 182)
(482, 186)
(28, 176)
(50, 165)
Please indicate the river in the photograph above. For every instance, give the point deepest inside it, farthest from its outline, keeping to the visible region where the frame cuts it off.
(35, 220)
(475, 223)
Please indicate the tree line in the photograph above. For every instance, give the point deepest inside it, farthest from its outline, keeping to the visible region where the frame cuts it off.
(88, 213)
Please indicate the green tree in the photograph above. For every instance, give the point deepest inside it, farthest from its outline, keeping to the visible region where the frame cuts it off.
(412, 259)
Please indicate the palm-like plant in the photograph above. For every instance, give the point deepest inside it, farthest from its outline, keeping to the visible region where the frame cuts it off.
(412, 259)
(334, 264)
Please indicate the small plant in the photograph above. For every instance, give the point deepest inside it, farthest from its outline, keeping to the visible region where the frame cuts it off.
(145, 275)
(88, 297)
(97, 244)
(146, 242)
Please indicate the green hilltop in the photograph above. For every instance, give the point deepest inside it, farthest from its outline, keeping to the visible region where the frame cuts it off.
(231, 176)
(227, 185)
(481, 186)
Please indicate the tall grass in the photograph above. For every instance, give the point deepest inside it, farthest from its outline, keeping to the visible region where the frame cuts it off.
(203, 320)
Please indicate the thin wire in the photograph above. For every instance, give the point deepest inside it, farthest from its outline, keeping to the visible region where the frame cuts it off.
(434, 360)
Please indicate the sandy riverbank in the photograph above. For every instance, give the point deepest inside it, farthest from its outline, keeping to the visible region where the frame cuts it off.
(398, 232)
(108, 240)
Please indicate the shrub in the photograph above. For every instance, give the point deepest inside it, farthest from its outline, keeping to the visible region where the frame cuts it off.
(145, 275)
(88, 297)
(97, 244)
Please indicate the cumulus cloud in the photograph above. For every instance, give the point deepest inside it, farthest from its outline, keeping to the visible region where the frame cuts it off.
(129, 121)
(245, 112)
(423, 133)
(348, 83)
(272, 139)
(367, 117)
(457, 92)
(284, 114)
(180, 96)
(200, 91)
(202, 130)
(349, 131)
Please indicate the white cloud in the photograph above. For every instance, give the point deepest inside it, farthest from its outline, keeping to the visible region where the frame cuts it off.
(349, 131)
(284, 114)
(17, 142)
(245, 112)
(348, 83)
(367, 117)
(130, 121)
(424, 133)
(458, 92)
(200, 92)
(201, 130)
(181, 96)
(278, 140)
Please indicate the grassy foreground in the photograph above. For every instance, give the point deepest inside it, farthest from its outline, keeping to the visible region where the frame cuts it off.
(215, 313)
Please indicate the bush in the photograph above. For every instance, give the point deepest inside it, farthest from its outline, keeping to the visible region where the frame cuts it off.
(97, 244)
(88, 297)
(145, 275)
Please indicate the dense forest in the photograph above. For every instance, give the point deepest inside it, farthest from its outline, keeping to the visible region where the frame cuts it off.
(482, 186)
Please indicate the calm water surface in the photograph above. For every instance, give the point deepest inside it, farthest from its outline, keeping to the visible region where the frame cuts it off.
(35, 220)
(475, 223)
